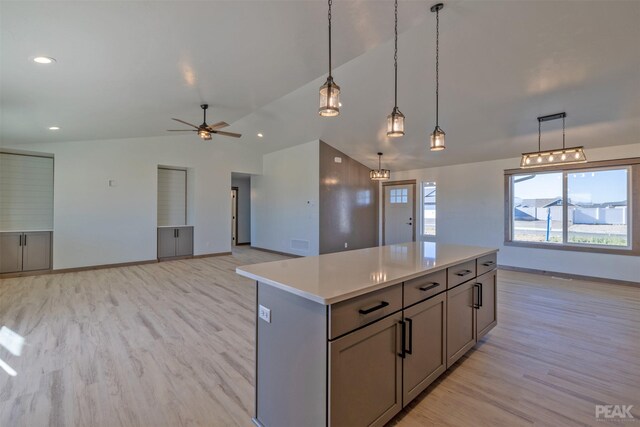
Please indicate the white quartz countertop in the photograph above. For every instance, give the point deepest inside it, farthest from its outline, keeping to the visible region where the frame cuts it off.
(331, 278)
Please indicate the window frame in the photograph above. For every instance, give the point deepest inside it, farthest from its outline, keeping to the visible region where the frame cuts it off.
(633, 209)
(428, 237)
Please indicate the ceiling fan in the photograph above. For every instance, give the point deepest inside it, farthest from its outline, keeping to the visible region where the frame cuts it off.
(205, 130)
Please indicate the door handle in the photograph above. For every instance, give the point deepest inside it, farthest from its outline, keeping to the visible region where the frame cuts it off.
(409, 223)
(476, 286)
(376, 307)
(463, 273)
(20, 240)
(403, 332)
(480, 294)
(178, 233)
(24, 241)
(410, 349)
(428, 288)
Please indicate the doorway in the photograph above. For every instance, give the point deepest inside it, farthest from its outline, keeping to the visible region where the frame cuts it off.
(398, 212)
(234, 216)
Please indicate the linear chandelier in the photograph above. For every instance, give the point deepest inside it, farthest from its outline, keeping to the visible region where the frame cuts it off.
(380, 174)
(563, 156)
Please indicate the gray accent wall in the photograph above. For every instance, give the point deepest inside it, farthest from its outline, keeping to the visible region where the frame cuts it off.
(348, 203)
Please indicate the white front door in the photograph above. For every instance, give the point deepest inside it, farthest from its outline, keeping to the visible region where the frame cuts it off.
(399, 213)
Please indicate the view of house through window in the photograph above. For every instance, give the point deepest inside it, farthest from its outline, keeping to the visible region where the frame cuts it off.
(429, 208)
(596, 207)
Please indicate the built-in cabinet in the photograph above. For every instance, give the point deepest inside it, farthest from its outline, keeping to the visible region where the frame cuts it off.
(175, 242)
(28, 251)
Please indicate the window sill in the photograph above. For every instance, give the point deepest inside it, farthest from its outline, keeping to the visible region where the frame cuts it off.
(575, 248)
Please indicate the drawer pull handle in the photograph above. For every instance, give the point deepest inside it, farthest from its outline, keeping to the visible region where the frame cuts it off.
(488, 263)
(463, 273)
(383, 304)
(431, 286)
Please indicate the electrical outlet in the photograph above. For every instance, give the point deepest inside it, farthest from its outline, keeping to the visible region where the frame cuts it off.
(264, 313)
(346, 245)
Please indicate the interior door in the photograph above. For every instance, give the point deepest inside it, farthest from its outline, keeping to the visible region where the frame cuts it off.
(399, 213)
(234, 216)
(10, 252)
(36, 251)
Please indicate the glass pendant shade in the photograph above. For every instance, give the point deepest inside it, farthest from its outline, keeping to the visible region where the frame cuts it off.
(395, 124)
(565, 156)
(329, 99)
(437, 139)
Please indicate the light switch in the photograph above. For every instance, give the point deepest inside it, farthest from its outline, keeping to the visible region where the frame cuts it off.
(264, 313)
(112, 183)
(337, 159)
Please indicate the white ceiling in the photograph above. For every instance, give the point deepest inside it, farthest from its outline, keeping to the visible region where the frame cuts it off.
(125, 68)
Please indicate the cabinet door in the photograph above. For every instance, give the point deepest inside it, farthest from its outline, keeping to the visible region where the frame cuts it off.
(10, 252)
(184, 243)
(166, 242)
(365, 375)
(460, 321)
(486, 314)
(36, 251)
(426, 340)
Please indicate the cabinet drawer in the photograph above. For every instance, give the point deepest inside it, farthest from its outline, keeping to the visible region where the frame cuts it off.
(421, 288)
(460, 273)
(351, 314)
(487, 263)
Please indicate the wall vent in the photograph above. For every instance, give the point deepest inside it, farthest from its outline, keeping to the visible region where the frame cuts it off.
(301, 245)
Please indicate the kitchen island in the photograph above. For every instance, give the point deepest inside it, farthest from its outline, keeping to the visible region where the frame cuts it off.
(350, 338)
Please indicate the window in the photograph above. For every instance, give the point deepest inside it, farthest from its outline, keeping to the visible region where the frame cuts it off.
(429, 208)
(398, 195)
(574, 208)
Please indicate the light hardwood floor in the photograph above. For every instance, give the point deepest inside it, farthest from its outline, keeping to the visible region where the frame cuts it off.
(172, 344)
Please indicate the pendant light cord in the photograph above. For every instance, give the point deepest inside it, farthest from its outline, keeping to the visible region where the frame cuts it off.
(563, 132)
(437, 65)
(395, 57)
(539, 135)
(329, 16)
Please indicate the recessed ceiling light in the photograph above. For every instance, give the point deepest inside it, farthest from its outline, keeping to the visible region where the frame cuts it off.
(44, 60)
(260, 135)
(54, 128)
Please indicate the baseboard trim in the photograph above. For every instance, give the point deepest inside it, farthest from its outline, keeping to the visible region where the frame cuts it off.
(271, 251)
(568, 275)
(211, 255)
(243, 244)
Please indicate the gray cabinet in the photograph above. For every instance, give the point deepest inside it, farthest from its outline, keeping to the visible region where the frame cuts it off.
(365, 375)
(486, 311)
(461, 320)
(175, 242)
(29, 251)
(426, 338)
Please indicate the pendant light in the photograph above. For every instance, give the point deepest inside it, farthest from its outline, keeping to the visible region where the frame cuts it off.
(329, 92)
(395, 120)
(437, 137)
(562, 156)
(380, 174)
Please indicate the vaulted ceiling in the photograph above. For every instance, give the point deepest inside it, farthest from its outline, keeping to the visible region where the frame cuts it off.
(125, 68)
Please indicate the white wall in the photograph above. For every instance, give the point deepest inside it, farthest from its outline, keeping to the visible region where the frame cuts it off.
(285, 200)
(470, 210)
(96, 224)
(244, 207)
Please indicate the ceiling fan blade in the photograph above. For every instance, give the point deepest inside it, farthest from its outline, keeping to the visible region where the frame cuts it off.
(181, 130)
(218, 125)
(186, 123)
(234, 135)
